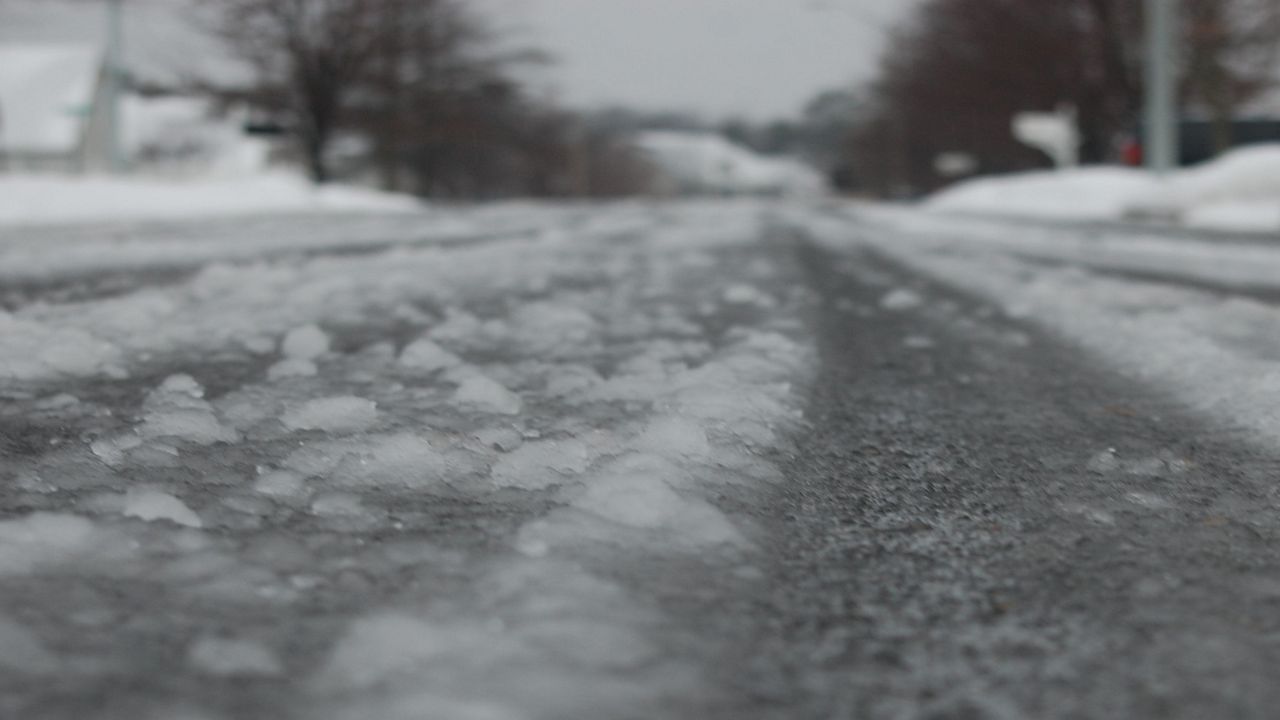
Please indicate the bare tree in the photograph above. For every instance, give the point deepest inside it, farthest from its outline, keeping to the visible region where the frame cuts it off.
(1234, 50)
(429, 89)
(957, 74)
(310, 55)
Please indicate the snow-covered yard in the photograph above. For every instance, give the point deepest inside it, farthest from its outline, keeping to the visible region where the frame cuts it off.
(51, 199)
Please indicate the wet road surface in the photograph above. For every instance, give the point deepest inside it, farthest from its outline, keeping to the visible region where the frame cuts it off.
(975, 519)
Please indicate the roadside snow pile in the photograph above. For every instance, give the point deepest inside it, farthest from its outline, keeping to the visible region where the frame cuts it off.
(1103, 193)
(45, 199)
(1238, 191)
(1218, 352)
(708, 163)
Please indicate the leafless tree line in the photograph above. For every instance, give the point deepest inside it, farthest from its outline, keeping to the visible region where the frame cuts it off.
(424, 93)
(955, 76)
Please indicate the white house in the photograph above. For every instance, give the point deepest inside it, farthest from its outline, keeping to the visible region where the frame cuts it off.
(52, 117)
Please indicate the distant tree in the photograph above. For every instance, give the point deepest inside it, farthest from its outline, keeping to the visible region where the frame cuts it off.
(426, 90)
(310, 56)
(955, 76)
(826, 129)
(1234, 52)
(435, 62)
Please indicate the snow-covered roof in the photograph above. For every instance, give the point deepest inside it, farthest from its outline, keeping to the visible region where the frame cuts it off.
(45, 94)
(167, 43)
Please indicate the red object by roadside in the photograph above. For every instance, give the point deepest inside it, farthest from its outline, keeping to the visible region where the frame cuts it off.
(1131, 153)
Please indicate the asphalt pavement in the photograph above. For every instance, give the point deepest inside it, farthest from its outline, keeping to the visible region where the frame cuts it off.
(984, 522)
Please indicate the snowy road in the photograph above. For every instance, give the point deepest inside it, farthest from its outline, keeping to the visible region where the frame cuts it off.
(713, 460)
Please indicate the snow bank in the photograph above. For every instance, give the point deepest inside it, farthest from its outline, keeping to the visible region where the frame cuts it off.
(1216, 352)
(1082, 194)
(1238, 191)
(46, 199)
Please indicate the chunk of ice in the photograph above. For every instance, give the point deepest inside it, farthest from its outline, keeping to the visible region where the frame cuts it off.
(385, 646)
(152, 505)
(280, 483)
(42, 538)
(547, 327)
(259, 344)
(502, 439)
(291, 367)
(195, 425)
(182, 385)
(334, 414)
(478, 392)
(230, 657)
(175, 409)
(538, 465)
(675, 437)
(427, 356)
(901, 299)
(634, 491)
(61, 401)
(741, 294)
(339, 504)
(111, 450)
(305, 343)
(403, 460)
(572, 379)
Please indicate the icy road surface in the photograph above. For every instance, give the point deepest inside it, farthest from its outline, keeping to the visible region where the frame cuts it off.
(706, 460)
(492, 464)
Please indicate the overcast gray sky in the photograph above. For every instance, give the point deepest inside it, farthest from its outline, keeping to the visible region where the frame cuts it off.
(758, 58)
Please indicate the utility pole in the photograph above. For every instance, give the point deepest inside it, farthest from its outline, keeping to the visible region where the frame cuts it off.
(114, 77)
(1161, 145)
